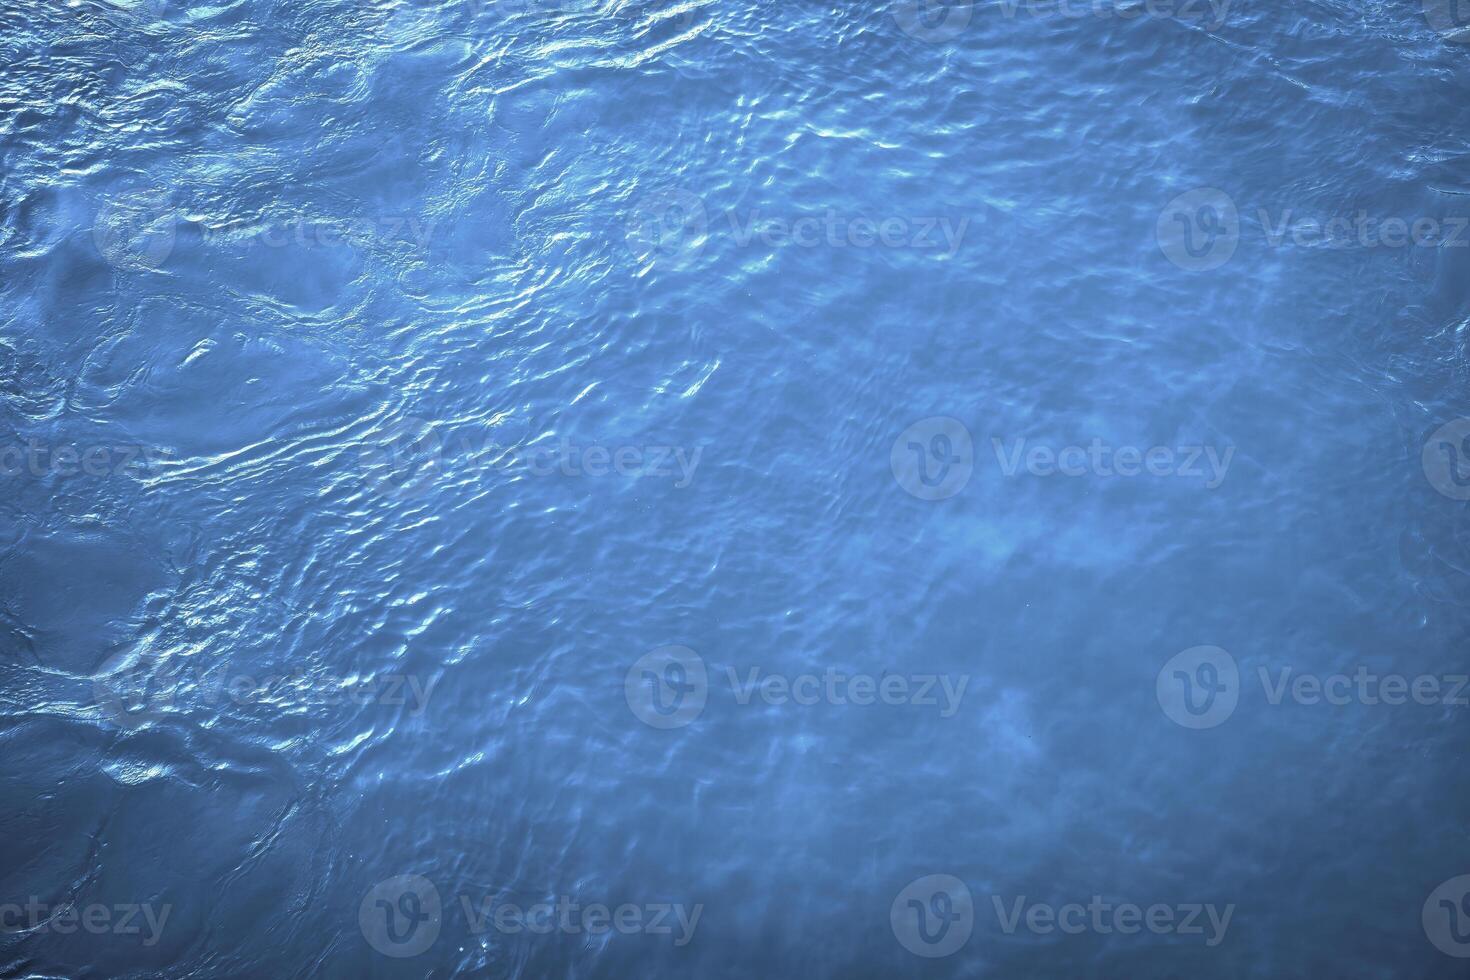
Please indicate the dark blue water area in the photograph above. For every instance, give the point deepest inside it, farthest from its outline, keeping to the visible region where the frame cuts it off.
(706, 488)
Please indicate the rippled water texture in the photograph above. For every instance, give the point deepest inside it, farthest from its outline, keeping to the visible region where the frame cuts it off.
(706, 488)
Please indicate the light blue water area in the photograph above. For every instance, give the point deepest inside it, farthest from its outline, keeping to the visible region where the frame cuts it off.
(610, 488)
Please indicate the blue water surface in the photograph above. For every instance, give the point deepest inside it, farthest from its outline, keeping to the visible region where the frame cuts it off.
(717, 488)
